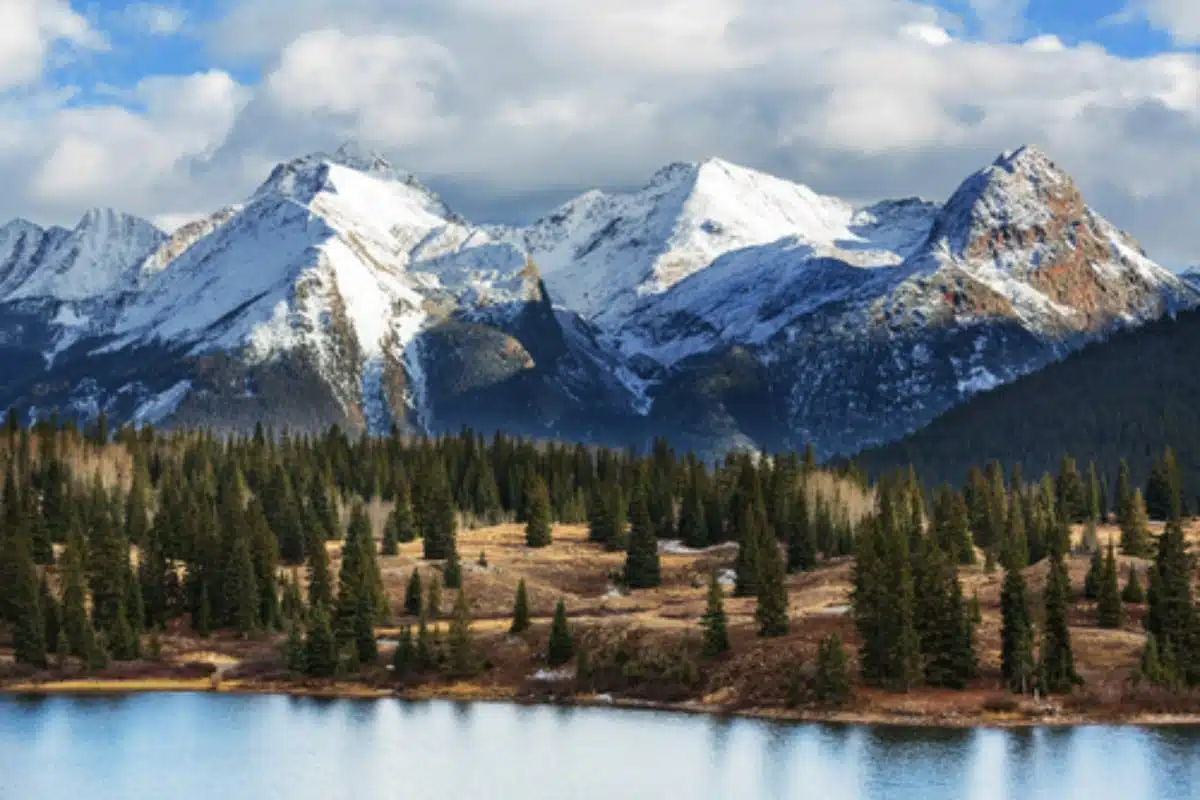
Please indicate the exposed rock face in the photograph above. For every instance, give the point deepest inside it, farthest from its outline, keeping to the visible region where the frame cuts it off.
(717, 306)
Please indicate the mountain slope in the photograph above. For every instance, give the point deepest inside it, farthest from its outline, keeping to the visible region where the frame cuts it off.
(717, 306)
(1129, 396)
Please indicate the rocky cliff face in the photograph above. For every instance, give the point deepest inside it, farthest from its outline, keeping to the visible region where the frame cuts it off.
(717, 305)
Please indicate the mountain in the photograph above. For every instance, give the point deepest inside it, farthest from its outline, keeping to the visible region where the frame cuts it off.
(717, 305)
(1192, 277)
(1128, 397)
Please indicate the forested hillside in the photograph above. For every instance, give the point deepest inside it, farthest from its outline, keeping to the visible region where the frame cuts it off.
(1129, 397)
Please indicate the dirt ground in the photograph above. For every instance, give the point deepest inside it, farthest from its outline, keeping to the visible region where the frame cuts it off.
(751, 678)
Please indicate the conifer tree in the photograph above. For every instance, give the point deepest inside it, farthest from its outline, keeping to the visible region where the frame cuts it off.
(693, 527)
(426, 649)
(1015, 553)
(1091, 581)
(75, 622)
(404, 660)
(29, 624)
(412, 594)
(320, 583)
(537, 505)
(801, 539)
(452, 569)
(771, 611)
(320, 647)
(1170, 614)
(293, 649)
(1017, 663)
(433, 599)
(463, 659)
(951, 525)
(641, 558)
(561, 646)
(1108, 593)
(520, 620)
(1135, 534)
(242, 600)
(831, 683)
(404, 527)
(439, 523)
(1133, 592)
(714, 622)
(365, 648)
(942, 620)
(390, 545)
(746, 566)
(1057, 668)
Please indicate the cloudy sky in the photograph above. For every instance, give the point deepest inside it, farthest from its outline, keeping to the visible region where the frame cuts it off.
(509, 106)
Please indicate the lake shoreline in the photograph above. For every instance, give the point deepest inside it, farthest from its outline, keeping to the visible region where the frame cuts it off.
(470, 692)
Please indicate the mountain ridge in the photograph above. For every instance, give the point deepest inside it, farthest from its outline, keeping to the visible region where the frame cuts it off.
(718, 305)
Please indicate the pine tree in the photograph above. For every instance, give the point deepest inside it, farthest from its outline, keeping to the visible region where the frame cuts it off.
(404, 524)
(29, 624)
(404, 660)
(714, 622)
(746, 566)
(1091, 581)
(951, 525)
(439, 524)
(365, 648)
(801, 539)
(1135, 533)
(426, 650)
(320, 583)
(1108, 597)
(1133, 592)
(942, 620)
(693, 527)
(520, 620)
(390, 545)
(320, 646)
(1016, 635)
(242, 600)
(537, 504)
(641, 558)
(463, 659)
(1170, 614)
(1057, 667)
(412, 595)
(831, 683)
(75, 622)
(293, 650)
(433, 599)
(771, 611)
(452, 569)
(561, 646)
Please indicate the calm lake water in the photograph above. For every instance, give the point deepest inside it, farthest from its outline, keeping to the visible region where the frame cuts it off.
(229, 748)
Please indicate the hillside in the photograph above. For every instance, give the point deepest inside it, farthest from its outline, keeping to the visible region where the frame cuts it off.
(717, 306)
(1128, 397)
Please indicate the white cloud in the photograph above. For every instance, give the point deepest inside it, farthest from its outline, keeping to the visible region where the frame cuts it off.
(154, 19)
(1001, 19)
(30, 30)
(1180, 18)
(501, 102)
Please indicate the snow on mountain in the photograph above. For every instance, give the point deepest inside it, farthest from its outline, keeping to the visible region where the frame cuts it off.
(601, 253)
(99, 257)
(717, 305)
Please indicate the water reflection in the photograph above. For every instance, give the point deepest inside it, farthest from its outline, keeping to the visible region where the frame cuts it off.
(227, 747)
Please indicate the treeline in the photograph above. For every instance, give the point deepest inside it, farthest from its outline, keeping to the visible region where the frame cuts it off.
(231, 533)
(1127, 398)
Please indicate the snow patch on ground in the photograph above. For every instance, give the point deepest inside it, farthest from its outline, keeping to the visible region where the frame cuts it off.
(676, 547)
(161, 405)
(549, 675)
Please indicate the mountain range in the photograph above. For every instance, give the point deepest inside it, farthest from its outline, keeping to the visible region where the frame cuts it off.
(717, 306)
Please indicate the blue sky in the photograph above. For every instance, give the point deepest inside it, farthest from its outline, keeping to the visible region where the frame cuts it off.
(172, 109)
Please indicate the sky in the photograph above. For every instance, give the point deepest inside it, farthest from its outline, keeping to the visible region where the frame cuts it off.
(172, 110)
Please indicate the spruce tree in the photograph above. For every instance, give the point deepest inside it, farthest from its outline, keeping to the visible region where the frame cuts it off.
(242, 598)
(831, 683)
(641, 558)
(1108, 600)
(714, 622)
(365, 648)
(404, 660)
(537, 505)
(320, 583)
(1057, 667)
(693, 528)
(404, 524)
(561, 646)
(1135, 527)
(1170, 614)
(463, 659)
(390, 545)
(75, 622)
(412, 594)
(942, 620)
(1017, 663)
(433, 599)
(746, 566)
(801, 539)
(439, 522)
(426, 650)
(293, 649)
(452, 569)
(771, 611)
(320, 646)
(1133, 592)
(29, 624)
(520, 619)
(1091, 581)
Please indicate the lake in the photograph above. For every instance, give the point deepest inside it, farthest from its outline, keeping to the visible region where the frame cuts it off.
(231, 747)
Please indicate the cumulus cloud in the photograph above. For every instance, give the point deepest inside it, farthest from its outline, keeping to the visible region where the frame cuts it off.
(510, 106)
(155, 20)
(29, 32)
(1180, 18)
